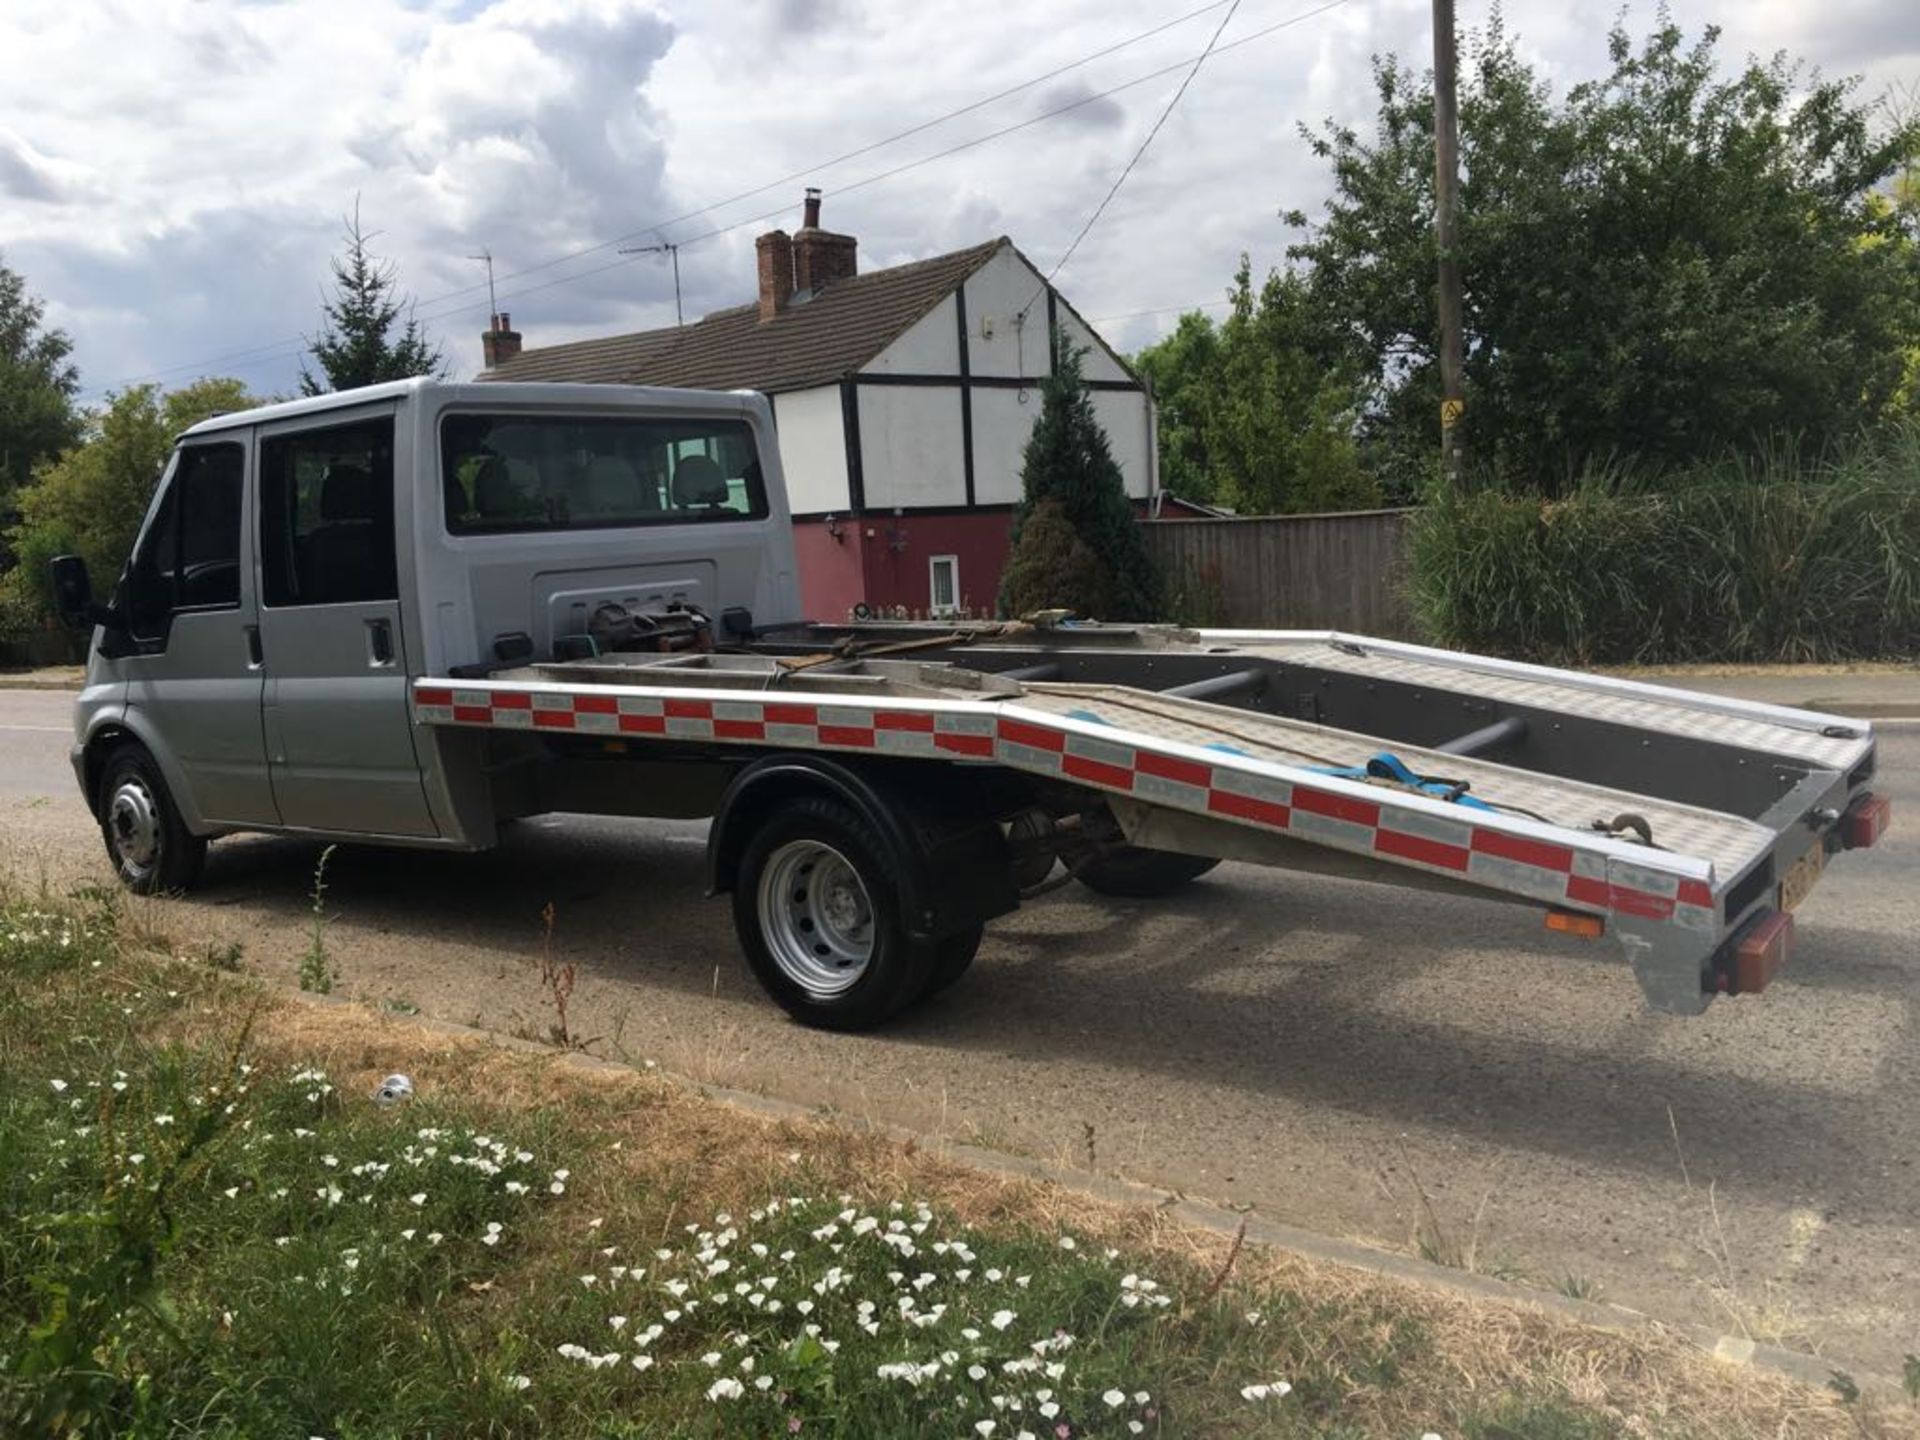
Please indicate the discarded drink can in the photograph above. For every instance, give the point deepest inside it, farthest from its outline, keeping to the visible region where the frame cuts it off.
(393, 1090)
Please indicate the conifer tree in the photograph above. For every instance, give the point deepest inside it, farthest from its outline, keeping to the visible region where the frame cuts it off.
(356, 345)
(1069, 473)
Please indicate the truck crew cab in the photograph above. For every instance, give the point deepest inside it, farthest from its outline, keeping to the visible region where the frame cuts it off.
(406, 614)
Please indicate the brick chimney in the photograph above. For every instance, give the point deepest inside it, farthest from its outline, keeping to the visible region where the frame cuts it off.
(820, 257)
(776, 272)
(501, 342)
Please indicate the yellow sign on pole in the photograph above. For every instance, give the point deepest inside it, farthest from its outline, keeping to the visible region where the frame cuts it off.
(1450, 413)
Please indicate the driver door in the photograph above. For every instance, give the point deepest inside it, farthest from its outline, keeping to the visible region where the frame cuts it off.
(194, 624)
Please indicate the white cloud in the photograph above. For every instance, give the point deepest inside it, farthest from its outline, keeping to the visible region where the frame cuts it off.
(175, 171)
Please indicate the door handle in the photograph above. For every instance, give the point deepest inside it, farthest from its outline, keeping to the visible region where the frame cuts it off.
(255, 658)
(379, 643)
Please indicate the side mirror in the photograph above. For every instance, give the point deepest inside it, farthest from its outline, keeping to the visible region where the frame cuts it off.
(73, 594)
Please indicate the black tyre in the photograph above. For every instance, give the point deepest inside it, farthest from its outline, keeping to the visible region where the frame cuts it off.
(952, 957)
(816, 906)
(148, 844)
(1129, 872)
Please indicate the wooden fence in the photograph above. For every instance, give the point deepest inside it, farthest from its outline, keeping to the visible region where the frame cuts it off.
(1297, 572)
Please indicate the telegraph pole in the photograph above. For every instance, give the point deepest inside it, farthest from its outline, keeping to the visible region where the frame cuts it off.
(1446, 234)
(672, 250)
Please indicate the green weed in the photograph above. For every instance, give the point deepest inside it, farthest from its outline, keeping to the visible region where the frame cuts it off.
(316, 966)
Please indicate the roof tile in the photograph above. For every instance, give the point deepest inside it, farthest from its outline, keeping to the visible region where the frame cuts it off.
(814, 342)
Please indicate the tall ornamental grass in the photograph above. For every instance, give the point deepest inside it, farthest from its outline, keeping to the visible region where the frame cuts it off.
(1778, 556)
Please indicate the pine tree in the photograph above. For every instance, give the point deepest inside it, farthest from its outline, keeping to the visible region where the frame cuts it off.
(1068, 465)
(355, 346)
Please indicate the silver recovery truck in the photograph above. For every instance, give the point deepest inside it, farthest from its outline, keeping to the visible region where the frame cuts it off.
(409, 614)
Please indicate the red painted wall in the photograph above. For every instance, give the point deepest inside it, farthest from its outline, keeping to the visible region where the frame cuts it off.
(902, 576)
(864, 564)
(832, 579)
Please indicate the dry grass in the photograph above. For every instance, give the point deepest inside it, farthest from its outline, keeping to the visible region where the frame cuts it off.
(670, 1154)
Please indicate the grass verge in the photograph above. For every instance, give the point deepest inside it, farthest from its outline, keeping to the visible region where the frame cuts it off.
(208, 1227)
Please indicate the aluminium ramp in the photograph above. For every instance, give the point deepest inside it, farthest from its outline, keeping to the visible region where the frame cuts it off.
(1664, 905)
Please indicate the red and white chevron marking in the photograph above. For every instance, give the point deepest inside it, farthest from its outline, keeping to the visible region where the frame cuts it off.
(1126, 763)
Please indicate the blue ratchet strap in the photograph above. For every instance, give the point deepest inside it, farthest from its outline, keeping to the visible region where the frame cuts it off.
(1391, 768)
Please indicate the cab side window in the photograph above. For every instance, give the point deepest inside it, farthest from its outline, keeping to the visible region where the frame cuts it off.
(326, 515)
(189, 557)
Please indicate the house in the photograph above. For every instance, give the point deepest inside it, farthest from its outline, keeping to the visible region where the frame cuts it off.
(903, 399)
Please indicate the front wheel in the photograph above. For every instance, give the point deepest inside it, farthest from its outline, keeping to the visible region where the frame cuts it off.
(817, 910)
(150, 846)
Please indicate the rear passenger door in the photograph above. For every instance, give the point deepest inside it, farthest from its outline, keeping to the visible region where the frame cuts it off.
(339, 733)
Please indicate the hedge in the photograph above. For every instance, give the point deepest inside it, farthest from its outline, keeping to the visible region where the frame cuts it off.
(1775, 558)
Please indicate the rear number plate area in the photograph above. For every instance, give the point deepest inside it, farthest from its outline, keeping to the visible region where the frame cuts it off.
(1800, 880)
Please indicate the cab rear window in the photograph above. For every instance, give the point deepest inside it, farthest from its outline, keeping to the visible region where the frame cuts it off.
(516, 473)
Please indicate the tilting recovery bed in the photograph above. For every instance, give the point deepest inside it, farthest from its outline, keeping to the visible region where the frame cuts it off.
(1687, 827)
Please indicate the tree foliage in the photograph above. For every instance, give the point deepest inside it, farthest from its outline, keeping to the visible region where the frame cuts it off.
(357, 343)
(1072, 486)
(1052, 568)
(1662, 264)
(1257, 413)
(37, 386)
(91, 500)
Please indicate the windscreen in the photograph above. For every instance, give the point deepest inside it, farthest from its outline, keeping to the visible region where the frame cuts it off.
(506, 473)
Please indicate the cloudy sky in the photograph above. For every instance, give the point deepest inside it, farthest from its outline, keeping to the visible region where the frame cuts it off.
(173, 173)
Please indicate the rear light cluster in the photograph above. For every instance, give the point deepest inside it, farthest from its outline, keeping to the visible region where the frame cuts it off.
(1758, 955)
(1866, 820)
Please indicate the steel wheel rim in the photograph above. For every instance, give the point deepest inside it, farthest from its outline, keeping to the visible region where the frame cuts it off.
(133, 825)
(816, 917)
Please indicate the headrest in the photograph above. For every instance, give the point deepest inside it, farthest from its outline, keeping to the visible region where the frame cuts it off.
(612, 483)
(699, 481)
(504, 487)
(346, 493)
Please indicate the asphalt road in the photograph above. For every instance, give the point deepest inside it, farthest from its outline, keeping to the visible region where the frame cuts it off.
(1359, 1060)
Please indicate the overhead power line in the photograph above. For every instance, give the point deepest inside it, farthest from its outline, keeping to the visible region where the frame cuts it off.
(1121, 178)
(882, 175)
(287, 348)
(618, 240)
(1161, 310)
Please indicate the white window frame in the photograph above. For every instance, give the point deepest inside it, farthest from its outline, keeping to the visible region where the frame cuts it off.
(935, 609)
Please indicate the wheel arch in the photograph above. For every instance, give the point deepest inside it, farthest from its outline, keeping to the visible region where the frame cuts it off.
(945, 846)
(130, 727)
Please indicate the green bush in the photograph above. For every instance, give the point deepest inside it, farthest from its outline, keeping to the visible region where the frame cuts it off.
(1777, 557)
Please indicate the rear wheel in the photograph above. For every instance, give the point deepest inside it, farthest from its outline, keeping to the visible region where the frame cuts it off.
(817, 911)
(150, 846)
(1134, 873)
(952, 957)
